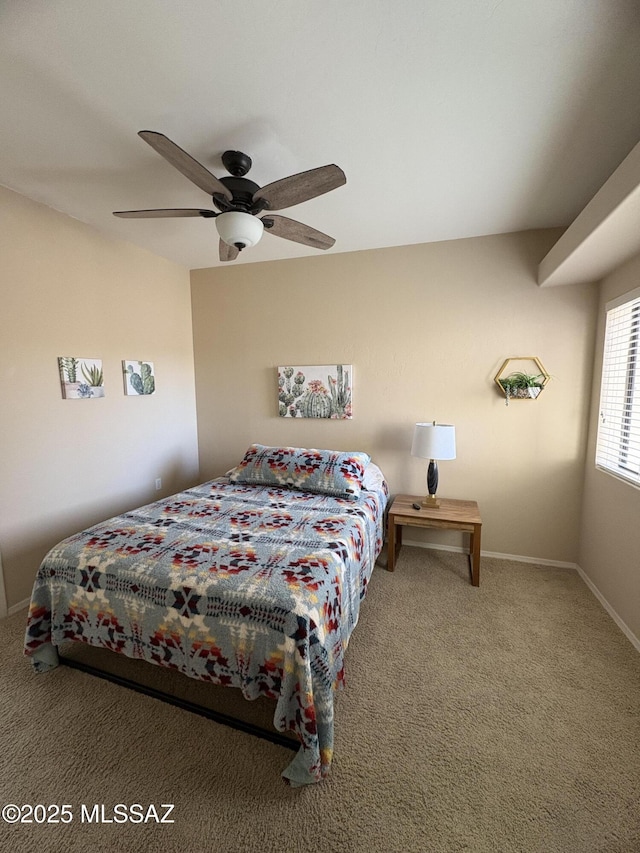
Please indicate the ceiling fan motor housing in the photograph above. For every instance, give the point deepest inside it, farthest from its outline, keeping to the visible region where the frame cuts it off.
(242, 190)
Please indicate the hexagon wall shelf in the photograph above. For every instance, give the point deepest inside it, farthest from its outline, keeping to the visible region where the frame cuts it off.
(525, 383)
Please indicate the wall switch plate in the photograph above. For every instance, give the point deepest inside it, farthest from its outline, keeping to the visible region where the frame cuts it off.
(158, 484)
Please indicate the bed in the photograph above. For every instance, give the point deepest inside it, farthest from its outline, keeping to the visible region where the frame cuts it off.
(253, 580)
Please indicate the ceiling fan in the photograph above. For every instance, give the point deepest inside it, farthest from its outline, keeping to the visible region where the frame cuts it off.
(240, 201)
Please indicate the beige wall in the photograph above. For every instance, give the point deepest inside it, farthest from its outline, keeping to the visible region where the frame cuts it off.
(426, 328)
(610, 536)
(64, 464)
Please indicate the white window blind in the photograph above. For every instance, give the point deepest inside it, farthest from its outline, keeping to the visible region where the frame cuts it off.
(618, 445)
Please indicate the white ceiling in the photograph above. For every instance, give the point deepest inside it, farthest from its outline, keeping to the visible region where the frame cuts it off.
(450, 118)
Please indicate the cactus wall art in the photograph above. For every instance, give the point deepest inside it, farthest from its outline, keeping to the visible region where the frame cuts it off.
(139, 377)
(315, 391)
(81, 378)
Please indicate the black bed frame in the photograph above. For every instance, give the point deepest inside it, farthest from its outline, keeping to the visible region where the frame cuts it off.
(225, 719)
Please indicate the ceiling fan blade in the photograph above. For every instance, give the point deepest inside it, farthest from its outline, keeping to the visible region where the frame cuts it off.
(159, 214)
(185, 163)
(301, 187)
(227, 252)
(290, 229)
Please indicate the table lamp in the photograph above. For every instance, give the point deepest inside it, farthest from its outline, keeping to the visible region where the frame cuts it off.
(433, 442)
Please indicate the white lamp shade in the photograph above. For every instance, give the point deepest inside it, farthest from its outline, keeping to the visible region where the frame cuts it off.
(239, 229)
(434, 441)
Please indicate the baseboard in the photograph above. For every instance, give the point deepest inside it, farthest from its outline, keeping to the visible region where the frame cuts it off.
(626, 630)
(559, 564)
(536, 561)
(16, 608)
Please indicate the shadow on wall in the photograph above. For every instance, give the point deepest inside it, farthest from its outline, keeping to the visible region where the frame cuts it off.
(176, 477)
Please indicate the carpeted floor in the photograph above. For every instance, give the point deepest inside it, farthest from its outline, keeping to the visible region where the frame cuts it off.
(498, 719)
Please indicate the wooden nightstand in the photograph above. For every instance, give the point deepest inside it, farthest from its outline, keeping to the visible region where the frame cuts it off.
(450, 515)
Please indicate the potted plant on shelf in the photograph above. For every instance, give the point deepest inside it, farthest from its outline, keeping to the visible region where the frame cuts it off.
(522, 385)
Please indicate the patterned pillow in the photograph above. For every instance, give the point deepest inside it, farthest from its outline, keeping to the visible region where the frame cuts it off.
(325, 472)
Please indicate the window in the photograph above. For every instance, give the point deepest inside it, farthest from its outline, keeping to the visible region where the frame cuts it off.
(618, 445)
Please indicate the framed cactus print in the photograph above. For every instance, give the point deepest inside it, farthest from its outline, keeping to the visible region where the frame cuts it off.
(139, 377)
(81, 378)
(315, 391)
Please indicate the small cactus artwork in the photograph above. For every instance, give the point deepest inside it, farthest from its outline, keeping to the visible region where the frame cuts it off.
(315, 391)
(81, 378)
(139, 377)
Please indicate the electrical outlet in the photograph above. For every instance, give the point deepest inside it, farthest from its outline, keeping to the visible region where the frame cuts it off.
(158, 484)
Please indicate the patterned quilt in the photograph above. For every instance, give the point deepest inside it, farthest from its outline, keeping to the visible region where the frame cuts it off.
(247, 586)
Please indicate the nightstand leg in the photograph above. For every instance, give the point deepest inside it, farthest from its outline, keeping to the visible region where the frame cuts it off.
(475, 556)
(391, 546)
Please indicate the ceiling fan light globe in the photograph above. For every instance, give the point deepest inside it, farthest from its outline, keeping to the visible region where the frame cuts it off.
(238, 229)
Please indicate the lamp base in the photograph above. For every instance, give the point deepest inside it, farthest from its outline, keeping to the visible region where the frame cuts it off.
(430, 502)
